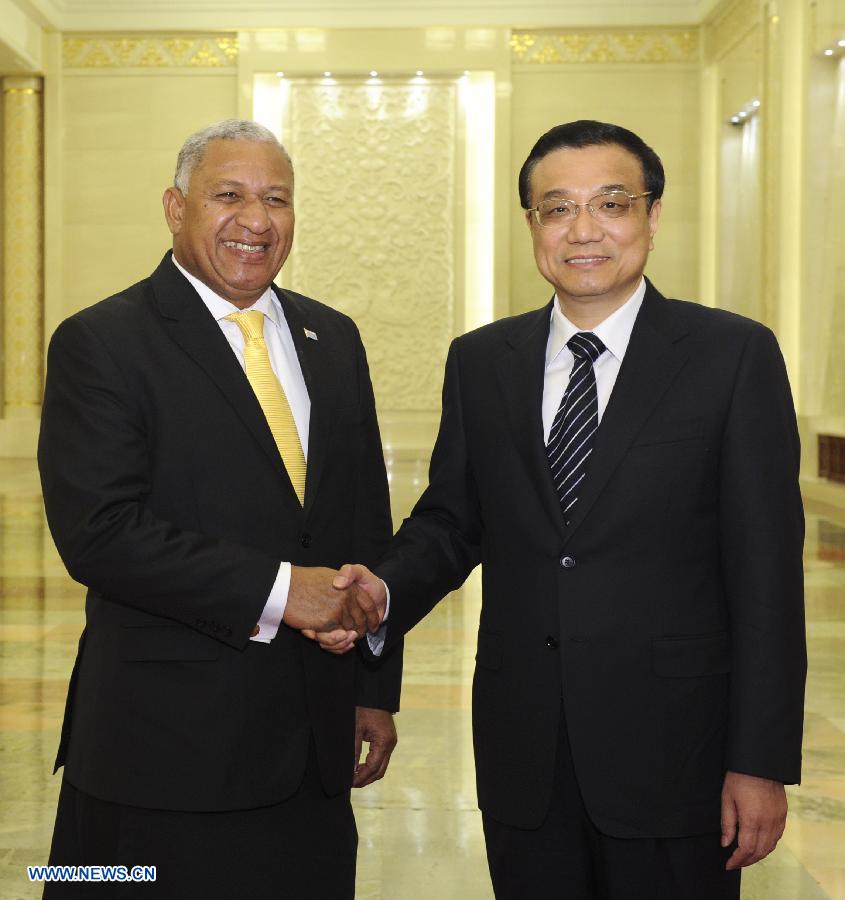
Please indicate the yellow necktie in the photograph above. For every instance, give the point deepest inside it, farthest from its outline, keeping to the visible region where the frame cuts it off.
(271, 396)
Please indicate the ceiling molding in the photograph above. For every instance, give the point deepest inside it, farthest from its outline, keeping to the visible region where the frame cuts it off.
(126, 16)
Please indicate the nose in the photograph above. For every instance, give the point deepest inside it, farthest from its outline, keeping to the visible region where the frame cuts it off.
(584, 227)
(253, 215)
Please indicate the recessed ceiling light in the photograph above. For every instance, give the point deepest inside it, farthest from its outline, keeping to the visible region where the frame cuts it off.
(373, 73)
(828, 52)
(327, 74)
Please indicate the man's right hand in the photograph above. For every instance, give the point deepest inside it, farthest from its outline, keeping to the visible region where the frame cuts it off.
(340, 640)
(320, 601)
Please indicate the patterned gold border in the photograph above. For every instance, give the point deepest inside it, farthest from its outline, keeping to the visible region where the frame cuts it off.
(214, 51)
(643, 46)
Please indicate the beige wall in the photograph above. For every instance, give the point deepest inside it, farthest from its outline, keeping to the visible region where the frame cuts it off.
(118, 106)
(120, 134)
(660, 102)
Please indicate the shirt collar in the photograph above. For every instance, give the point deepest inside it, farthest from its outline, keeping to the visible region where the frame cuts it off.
(220, 308)
(614, 331)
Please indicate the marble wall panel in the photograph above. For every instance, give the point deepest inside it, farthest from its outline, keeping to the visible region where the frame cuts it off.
(375, 238)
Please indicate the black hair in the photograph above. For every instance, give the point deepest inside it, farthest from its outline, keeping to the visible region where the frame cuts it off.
(587, 133)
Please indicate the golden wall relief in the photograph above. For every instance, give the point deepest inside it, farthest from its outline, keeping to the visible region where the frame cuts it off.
(375, 233)
(175, 51)
(643, 46)
(22, 246)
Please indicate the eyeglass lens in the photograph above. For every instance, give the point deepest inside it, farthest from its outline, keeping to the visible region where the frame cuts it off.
(605, 207)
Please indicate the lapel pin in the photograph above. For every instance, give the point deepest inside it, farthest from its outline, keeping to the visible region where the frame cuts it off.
(311, 335)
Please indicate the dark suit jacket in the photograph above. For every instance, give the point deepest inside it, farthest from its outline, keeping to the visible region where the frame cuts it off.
(166, 496)
(668, 615)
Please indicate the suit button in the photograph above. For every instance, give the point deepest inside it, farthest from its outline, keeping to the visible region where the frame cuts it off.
(551, 642)
(305, 539)
(567, 562)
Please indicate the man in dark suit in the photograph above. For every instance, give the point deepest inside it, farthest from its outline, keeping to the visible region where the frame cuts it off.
(208, 442)
(624, 467)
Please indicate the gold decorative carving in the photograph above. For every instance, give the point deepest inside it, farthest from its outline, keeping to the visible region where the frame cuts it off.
(375, 187)
(113, 52)
(22, 246)
(655, 45)
(730, 24)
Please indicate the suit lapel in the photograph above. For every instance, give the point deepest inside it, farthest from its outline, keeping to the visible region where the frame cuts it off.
(316, 362)
(521, 371)
(191, 326)
(655, 355)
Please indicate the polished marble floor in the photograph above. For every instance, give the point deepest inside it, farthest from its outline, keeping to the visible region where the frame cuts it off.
(420, 829)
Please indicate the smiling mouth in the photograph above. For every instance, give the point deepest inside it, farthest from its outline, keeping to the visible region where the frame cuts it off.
(585, 260)
(246, 248)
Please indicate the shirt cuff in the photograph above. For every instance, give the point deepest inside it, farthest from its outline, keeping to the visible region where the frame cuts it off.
(274, 608)
(377, 638)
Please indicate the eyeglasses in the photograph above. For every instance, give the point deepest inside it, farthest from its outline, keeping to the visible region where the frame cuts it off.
(557, 212)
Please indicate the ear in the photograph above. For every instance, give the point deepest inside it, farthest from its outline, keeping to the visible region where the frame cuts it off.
(529, 219)
(654, 217)
(174, 209)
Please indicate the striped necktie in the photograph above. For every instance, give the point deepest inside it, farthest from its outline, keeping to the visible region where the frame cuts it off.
(271, 396)
(573, 429)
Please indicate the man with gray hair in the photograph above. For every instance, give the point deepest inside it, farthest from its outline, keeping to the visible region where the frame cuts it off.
(209, 456)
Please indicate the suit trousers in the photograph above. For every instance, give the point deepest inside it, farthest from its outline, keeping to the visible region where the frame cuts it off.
(568, 858)
(301, 849)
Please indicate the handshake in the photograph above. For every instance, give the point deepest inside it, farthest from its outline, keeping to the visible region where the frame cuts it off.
(335, 608)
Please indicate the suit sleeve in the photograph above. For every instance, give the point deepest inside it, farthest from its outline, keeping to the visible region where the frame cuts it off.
(379, 681)
(94, 460)
(762, 531)
(438, 546)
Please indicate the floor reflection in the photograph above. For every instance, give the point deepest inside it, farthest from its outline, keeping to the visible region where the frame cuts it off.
(420, 829)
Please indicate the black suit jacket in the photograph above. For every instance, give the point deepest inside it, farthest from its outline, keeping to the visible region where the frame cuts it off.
(167, 497)
(674, 632)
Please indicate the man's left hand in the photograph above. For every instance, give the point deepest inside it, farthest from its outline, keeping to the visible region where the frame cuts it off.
(757, 808)
(377, 728)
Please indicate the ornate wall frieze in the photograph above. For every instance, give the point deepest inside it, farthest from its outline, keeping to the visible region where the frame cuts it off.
(214, 51)
(643, 46)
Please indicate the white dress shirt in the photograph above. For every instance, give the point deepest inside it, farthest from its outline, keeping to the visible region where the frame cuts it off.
(614, 332)
(285, 364)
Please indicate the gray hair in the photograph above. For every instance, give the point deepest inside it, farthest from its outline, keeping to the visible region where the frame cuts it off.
(193, 150)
